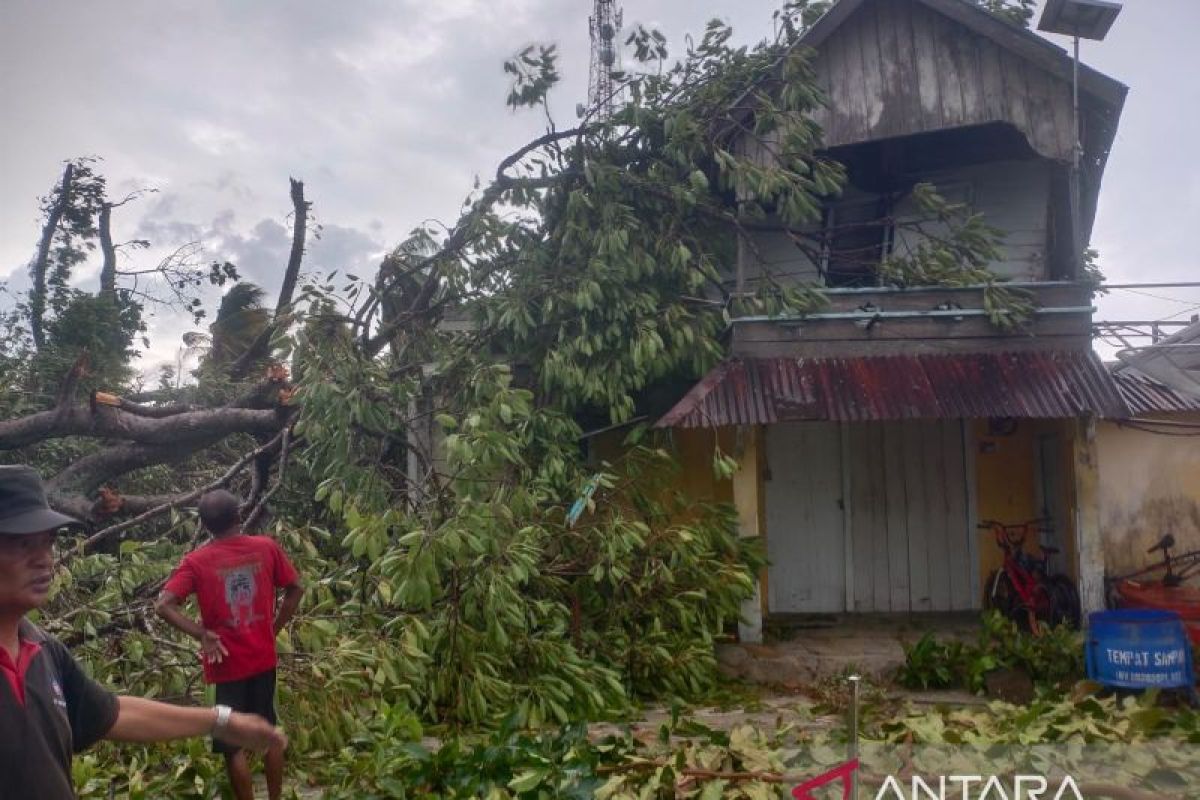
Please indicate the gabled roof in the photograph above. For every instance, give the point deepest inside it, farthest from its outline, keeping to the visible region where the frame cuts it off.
(1019, 40)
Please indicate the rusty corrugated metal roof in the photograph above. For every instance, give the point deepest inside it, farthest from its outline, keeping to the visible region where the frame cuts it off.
(743, 391)
(1145, 395)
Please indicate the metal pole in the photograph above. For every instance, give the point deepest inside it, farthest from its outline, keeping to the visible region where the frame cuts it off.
(854, 683)
(1076, 153)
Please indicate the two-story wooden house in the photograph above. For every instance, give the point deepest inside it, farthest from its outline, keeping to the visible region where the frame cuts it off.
(875, 434)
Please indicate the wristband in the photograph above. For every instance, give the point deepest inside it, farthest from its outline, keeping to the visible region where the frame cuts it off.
(222, 720)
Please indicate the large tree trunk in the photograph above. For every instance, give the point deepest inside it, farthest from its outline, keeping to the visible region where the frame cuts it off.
(261, 344)
(40, 265)
(108, 270)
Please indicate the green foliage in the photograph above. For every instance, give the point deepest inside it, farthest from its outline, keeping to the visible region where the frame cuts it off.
(428, 492)
(507, 609)
(955, 248)
(105, 328)
(1016, 12)
(1053, 659)
(930, 664)
(506, 764)
(1052, 718)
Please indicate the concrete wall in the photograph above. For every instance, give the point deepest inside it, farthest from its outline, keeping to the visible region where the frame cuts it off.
(1149, 486)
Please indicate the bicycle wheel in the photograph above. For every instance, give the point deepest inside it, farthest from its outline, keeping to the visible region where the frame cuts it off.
(1064, 602)
(1002, 596)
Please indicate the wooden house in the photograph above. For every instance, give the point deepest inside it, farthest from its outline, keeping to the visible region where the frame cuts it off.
(875, 434)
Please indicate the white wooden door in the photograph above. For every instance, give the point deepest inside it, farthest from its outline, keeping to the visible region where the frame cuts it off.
(910, 517)
(805, 523)
(901, 492)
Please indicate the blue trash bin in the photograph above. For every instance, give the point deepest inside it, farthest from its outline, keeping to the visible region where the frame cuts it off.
(1139, 649)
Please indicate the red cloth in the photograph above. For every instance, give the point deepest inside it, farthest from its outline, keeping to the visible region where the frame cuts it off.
(235, 580)
(16, 672)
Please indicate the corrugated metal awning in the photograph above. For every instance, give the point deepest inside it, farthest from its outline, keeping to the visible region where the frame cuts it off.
(1047, 385)
(1144, 394)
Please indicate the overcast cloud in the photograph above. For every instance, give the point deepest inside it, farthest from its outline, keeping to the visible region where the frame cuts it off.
(387, 109)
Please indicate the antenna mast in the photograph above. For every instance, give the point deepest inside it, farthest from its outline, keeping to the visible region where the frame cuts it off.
(604, 26)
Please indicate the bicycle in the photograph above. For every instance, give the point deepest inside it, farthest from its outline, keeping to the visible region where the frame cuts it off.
(1024, 590)
(1164, 584)
(1175, 569)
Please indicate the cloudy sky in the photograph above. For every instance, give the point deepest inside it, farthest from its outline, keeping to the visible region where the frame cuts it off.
(387, 109)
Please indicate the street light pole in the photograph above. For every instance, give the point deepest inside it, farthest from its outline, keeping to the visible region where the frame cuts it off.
(1079, 19)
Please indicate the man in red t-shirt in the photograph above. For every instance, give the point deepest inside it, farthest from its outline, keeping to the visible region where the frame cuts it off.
(236, 579)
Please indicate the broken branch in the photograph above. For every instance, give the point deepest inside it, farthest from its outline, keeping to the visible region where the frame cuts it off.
(182, 499)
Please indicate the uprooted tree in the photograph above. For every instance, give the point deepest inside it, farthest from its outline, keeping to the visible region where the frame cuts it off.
(418, 434)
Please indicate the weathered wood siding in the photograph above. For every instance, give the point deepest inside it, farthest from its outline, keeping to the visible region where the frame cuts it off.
(1012, 196)
(804, 516)
(820, 336)
(897, 68)
(871, 517)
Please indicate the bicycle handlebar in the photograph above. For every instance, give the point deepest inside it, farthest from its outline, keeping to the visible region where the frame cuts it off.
(1014, 534)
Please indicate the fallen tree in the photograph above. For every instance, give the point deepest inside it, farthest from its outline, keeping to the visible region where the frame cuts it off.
(426, 456)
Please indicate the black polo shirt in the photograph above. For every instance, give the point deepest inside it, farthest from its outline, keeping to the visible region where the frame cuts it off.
(64, 712)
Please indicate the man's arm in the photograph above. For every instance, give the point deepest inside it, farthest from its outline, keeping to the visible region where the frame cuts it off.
(167, 606)
(142, 720)
(287, 608)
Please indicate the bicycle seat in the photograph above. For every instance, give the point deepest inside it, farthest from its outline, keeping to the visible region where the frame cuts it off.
(1164, 543)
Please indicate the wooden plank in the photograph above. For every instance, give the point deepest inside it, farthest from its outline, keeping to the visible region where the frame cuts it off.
(897, 517)
(965, 54)
(863, 518)
(992, 79)
(881, 572)
(970, 467)
(847, 513)
(926, 298)
(804, 541)
(1060, 101)
(934, 476)
(958, 531)
(833, 54)
(925, 54)
(912, 328)
(916, 517)
(900, 15)
(948, 71)
(1041, 96)
(863, 81)
(1016, 94)
(877, 92)
(848, 348)
(822, 114)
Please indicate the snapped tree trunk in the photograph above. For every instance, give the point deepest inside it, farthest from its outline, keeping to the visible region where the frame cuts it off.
(108, 270)
(40, 265)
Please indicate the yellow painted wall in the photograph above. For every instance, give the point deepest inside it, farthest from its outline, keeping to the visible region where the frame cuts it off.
(1006, 469)
(693, 449)
(1149, 486)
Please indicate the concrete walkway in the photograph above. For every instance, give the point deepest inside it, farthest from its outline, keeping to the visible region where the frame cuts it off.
(803, 649)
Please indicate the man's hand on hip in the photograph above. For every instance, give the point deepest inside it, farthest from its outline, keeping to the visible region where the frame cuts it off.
(212, 649)
(251, 732)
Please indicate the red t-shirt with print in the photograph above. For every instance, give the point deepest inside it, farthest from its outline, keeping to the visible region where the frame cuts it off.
(235, 580)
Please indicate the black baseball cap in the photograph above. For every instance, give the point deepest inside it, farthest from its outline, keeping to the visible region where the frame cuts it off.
(23, 506)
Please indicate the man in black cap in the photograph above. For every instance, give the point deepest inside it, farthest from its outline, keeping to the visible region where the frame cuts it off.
(49, 708)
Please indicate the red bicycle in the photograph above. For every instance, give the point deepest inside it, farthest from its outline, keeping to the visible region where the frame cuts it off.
(1023, 589)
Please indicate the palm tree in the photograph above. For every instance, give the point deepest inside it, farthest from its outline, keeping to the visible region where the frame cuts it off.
(241, 317)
